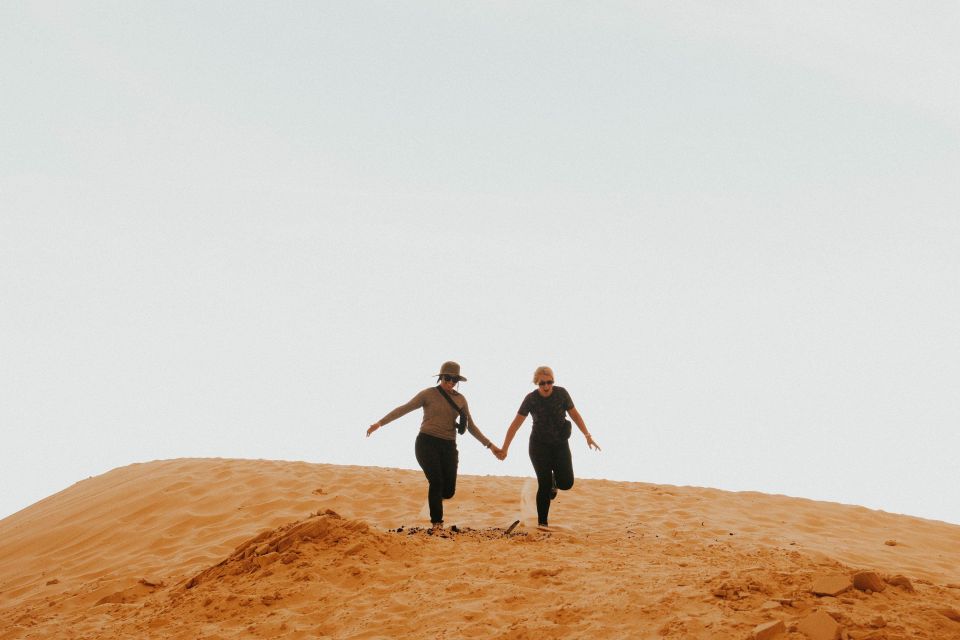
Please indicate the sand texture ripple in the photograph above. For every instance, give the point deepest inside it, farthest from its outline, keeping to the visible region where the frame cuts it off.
(217, 548)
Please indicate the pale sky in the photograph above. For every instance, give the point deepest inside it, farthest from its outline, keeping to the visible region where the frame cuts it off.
(252, 229)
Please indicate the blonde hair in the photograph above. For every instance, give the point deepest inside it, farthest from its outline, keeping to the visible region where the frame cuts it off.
(541, 371)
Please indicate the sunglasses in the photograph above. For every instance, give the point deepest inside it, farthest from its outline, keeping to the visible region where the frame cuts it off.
(545, 383)
(447, 378)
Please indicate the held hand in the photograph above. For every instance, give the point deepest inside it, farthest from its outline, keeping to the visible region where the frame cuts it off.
(501, 454)
(591, 443)
(373, 427)
(496, 451)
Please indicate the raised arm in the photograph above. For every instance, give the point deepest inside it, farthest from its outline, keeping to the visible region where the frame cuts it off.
(578, 419)
(511, 432)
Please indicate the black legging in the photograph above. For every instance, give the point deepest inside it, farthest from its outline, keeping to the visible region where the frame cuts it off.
(551, 462)
(438, 458)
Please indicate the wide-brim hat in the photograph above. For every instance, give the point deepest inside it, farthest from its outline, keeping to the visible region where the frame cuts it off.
(451, 368)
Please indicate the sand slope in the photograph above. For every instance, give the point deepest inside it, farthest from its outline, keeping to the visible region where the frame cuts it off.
(216, 548)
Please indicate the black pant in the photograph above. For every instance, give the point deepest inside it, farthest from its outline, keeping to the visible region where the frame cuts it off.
(551, 462)
(438, 458)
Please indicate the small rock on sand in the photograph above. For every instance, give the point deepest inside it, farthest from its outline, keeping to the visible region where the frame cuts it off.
(901, 581)
(268, 559)
(868, 581)
(878, 622)
(768, 630)
(831, 585)
(819, 625)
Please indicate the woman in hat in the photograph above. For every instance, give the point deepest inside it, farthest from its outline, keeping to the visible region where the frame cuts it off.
(549, 445)
(436, 446)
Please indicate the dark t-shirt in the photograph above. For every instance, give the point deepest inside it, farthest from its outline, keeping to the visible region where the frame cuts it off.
(548, 414)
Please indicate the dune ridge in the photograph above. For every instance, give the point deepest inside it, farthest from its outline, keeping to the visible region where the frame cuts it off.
(220, 548)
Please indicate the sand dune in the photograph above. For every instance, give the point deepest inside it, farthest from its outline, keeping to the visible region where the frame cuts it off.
(215, 548)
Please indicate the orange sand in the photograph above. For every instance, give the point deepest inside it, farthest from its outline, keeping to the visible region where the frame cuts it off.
(216, 548)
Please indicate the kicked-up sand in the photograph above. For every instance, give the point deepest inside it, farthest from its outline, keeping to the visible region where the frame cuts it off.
(215, 548)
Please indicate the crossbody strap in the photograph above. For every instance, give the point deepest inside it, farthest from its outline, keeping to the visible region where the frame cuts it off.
(462, 425)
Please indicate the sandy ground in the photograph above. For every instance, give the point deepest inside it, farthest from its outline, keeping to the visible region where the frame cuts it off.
(215, 548)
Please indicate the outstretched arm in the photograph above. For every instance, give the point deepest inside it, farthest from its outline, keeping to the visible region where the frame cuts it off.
(415, 403)
(511, 432)
(583, 428)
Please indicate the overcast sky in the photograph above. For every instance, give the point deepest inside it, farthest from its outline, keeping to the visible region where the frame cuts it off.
(240, 229)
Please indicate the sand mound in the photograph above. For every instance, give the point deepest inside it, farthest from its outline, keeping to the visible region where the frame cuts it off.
(325, 532)
(189, 549)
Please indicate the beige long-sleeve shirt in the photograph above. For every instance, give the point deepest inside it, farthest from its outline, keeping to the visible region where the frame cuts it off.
(439, 418)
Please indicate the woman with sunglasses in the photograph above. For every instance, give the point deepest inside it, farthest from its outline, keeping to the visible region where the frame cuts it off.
(436, 446)
(549, 446)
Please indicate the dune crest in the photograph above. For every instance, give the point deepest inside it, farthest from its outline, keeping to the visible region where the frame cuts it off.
(220, 548)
